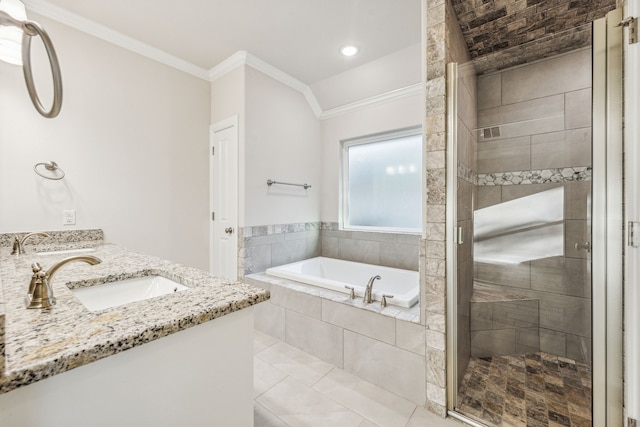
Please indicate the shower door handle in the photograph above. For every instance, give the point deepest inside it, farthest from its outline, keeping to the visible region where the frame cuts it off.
(586, 246)
(459, 235)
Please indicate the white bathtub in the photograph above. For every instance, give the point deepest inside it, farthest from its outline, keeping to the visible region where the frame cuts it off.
(334, 274)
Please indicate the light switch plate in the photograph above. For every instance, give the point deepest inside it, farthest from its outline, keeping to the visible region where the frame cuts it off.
(69, 217)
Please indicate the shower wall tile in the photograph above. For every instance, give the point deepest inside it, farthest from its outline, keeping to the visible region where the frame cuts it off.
(493, 343)
(567, 314)
(315, 337)
(504, 315)
(515, 276)
(579, 348)
(560, 275)
(553, 342)
(489, 196)
(489, 91)
(561, 149)
(504, 155)
(564, 73)
(527, 340)
(512, 192)
(578, 109)
(577, 200)
(530, 110)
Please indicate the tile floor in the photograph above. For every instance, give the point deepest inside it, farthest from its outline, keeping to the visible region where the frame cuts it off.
(293, 388)
(532, 390)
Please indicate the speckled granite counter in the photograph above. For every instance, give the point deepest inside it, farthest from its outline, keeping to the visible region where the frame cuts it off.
(42, 343)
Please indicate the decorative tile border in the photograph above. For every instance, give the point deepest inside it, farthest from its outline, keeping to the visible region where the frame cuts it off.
(539, 176)
(467, 174)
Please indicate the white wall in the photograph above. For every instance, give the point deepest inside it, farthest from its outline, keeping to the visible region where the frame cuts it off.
(282, 143)
(379, 118)
(391, 72)
(228, 99)
(132, 138)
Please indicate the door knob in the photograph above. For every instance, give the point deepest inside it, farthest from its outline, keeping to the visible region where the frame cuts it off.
(228, 230)
(586, 246)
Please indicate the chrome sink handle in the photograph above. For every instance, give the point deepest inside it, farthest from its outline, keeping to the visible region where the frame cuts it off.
(18, 244)
(40, 290)
(383, 301)
(352, 294)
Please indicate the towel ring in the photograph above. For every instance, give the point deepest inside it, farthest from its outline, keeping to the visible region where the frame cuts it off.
(30, 29)
(50, 167)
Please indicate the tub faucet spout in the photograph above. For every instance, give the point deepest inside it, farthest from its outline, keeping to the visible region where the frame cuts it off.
(367, 292)
(40, 290)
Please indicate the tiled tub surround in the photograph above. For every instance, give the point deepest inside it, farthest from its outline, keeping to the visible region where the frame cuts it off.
(264, 246)
(39, 346)
(384, 346)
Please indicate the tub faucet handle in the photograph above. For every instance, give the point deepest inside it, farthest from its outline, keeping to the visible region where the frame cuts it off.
(352, 294)
(383, 301)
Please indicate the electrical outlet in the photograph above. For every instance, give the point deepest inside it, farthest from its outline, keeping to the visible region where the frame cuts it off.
(69, 217)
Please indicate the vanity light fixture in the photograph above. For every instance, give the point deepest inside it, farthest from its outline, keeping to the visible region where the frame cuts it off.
(349, 50)
(16, 32)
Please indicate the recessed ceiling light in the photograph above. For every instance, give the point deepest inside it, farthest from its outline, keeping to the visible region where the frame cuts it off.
(349, 50)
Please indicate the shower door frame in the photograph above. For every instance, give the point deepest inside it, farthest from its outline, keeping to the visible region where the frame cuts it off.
(606, 233)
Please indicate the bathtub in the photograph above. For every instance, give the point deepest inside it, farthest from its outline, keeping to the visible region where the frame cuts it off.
(334, 274)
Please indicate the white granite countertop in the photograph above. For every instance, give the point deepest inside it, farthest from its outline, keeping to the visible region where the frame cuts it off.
(42, 343)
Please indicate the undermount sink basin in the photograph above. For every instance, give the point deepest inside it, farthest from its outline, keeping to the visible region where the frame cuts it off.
(107, 295)
(67, 251)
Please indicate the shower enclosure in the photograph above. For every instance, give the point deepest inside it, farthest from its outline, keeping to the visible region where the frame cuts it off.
(526, 215)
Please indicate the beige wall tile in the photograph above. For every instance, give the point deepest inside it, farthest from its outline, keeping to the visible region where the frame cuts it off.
(297, 301)
(382, 328)
(556, 75)
(410, 336)
(399, 371)
(577, 113)
(315, 337)
(488, 196)
(269, 318)
(529, 110)
(504, 155)
(489, 91)
(561, 149)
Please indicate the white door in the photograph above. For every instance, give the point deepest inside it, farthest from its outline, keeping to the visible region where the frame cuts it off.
(224, 198)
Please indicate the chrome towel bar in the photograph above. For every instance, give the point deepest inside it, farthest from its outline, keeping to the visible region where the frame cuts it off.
(270, 182)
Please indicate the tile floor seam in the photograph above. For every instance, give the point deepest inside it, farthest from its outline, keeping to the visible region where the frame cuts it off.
(278, 382)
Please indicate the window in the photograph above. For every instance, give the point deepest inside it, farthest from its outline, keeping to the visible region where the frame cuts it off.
(382, 182)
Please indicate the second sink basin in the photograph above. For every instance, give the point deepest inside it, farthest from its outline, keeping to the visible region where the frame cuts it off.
(107, 295)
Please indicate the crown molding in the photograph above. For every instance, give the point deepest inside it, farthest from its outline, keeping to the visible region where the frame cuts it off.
(85, 25)
(92, 28)
(235, 60)
(383, 98)
(245, 58)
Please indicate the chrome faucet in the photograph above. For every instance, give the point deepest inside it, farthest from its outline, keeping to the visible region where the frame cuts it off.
(18, 244)
(40, 290)
(367, 292)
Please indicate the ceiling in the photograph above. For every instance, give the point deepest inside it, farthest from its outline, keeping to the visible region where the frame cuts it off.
(299, 37)
(539, 28)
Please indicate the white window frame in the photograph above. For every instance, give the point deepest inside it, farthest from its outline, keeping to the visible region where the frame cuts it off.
(344, 177)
